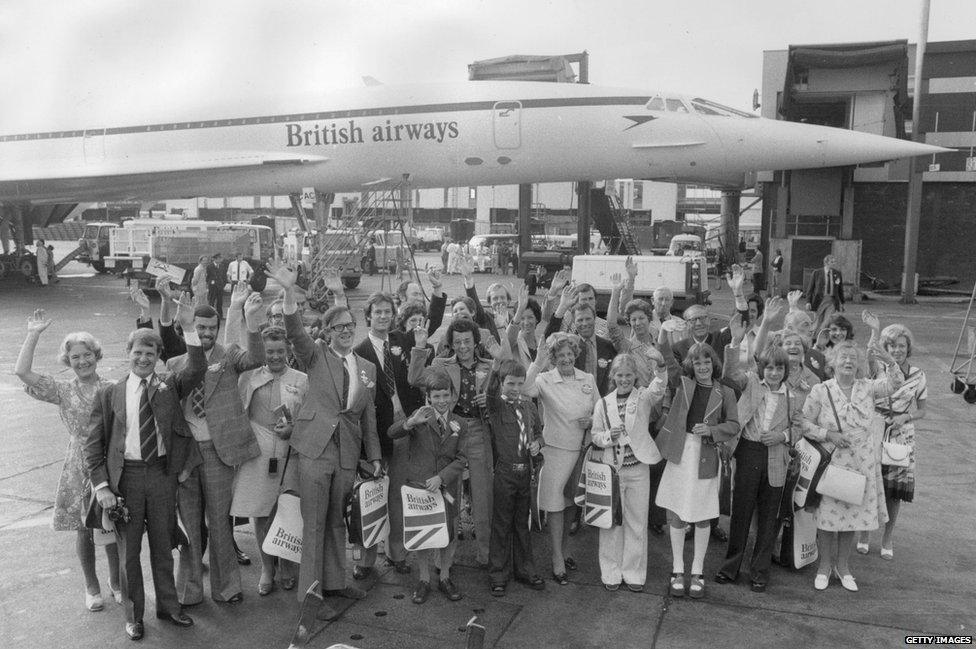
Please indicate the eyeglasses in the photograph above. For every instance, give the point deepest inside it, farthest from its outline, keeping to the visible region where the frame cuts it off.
(349, 326)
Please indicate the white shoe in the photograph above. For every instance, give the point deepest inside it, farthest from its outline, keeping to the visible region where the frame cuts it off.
(847, 581)
(863, 548)
(821, 582)
(887, 554)
(94, 602)
(117, 596)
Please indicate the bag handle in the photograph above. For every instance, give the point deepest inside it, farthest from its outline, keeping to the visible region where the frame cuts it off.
(281, 482)
(834, 408)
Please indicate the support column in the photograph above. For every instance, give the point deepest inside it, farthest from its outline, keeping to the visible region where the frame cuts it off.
(524, 225)
(583, 189)
(730, 222)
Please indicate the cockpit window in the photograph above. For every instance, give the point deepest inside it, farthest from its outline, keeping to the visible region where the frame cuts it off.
(676, 106)
(707, 107)
(657, 103)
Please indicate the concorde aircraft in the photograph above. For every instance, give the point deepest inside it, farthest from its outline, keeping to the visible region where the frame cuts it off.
(463, 134)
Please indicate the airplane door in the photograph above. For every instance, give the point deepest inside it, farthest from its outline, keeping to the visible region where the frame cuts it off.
(507, 122)
(94, 145)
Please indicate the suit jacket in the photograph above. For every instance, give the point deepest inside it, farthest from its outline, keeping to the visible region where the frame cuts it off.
(418, 368)
(431, 454)
(410, 397)
(500, 417)
(642, 405)
(717, 339)
(324, 415)
(226, 418)
(605, 352)
(787, 418)
(104, 446)
(817, 289)
(173, 344)
(721, 415)
(294, 387)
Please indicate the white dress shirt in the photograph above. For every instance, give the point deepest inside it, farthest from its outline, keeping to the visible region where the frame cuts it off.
(377, 343)
(349, 360)
(133, 396)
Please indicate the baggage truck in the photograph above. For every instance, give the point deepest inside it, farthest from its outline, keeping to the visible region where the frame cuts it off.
(685, 276)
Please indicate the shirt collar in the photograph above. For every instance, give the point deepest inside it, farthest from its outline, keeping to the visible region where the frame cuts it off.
(376, 339)
(780, 390)
(134, 380)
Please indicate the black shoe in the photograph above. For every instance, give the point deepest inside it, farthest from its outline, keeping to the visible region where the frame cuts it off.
(450, 591)
(571, 563)
(400, 567)
(757, 587)
(535, 582)
(722, 578)
(720, 535)
(421, 592)
(179, 619)
(243, 559)
(134, 630)
(498, 590)
(560, 578)
(361, 572)
(236, 598)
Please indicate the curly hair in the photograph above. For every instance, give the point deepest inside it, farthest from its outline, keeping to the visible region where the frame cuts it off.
(893, 332)
(639, 305)
(80, 338)
(461, 326)
(555, 342)
(408, 311)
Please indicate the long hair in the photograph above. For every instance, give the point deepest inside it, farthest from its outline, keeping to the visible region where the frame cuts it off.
(700, 350)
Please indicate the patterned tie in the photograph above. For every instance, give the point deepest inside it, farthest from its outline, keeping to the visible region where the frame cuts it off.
(388, 369)
(147, 425)
(591, 357)
(196, 402)
(523, 441)
(345, 382)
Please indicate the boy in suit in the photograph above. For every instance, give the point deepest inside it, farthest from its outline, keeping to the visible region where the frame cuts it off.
(516, 437)
(436, 462)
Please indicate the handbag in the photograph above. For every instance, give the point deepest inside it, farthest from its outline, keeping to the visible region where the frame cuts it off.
(284, 537)
(893, 453)
(839, 482)
(799, 545)
(366, 512)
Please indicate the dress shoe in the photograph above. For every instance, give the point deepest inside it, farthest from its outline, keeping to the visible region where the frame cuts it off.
(237, 598)
(349, 592)
(847, 581)
(450, 591)
(571, 563)
(821, 582)
(757, 586)
(326, 613)
(361, 572)
(722, 578)
(635, 588)
(421, 592)
(134, 630)
(696, 586)
(242, 558)
(94, 602)
(720, 535)
(179, 619)
(535, 582)
(498, 590)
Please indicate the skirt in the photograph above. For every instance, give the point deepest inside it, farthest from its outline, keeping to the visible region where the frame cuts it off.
(555, 473)
(681, 491)
(255, 490)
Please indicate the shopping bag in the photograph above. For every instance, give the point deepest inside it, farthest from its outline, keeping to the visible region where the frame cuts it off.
(284, 537)
(424, 519)
(601, 505)
(842, 484)
(104, 535)
(535, 514)
(799, 547)
(575, 490)
(367, 512)
(814, 459)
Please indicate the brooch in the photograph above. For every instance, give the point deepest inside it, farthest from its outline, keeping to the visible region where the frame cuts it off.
(815, 363)
(632, 408)
(396, 351)
(602, 362)
(586, 388)
(456, 427)
(161, 386)
(290, 388)
(366, 380)
(215, 367)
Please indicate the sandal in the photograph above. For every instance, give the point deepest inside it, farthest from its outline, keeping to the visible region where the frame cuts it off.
(677, 585)
(498, 590)
(560, 578)
(696, 586)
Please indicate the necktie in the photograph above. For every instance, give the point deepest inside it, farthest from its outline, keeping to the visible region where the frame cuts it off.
(345, 382)
(388, 369)
(196, 402)
(830, 283)
(147, 425)
(523, 440)
(591, 357)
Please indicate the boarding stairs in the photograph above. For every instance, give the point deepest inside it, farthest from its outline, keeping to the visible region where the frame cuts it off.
(609, 218)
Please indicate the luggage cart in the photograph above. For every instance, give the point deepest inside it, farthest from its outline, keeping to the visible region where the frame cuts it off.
(963, 367)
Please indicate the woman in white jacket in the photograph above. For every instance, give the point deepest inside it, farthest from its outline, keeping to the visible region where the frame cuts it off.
(621, 428)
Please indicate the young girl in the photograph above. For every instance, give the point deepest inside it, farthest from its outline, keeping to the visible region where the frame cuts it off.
(703, 413)
(621, 426)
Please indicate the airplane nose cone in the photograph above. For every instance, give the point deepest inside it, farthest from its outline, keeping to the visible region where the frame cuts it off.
(843, 147)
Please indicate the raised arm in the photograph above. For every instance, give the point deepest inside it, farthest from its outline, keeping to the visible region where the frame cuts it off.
(37, 322)
(540, 364)
(438, 301)
(192, 374)
(732, 368)
(302, 343)
(774, 310)
(252, 355)
(234, 326)
(419, 356)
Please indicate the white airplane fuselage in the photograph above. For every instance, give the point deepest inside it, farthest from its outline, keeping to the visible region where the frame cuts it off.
(451, 135)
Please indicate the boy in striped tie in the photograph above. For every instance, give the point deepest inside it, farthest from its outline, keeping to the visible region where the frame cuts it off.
(516, 436)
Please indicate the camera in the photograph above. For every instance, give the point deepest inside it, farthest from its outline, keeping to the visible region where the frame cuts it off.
(119, 513)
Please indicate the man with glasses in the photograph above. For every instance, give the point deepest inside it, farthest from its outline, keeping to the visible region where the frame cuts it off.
(334, 427)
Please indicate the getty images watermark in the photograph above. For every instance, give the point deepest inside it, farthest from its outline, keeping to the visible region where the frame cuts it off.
(938, 639)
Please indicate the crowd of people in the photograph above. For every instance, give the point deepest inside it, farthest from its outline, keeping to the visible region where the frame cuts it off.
(498, 415)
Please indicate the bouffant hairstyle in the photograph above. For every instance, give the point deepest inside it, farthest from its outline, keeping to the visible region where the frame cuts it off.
(273, 334)
(701, 350)
(557, 341)
(893, 332)
(639, 305)
(460, 326)
(80, 338)
(838, 320)
(536, 310)
(408, 311)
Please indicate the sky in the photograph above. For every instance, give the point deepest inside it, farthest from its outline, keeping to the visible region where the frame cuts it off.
(96, 63)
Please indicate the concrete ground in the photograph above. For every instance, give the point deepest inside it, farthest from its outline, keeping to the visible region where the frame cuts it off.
(930, 587)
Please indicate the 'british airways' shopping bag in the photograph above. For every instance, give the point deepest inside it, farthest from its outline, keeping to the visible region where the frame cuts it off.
(602, 503)
(424, 519)
(367, 513)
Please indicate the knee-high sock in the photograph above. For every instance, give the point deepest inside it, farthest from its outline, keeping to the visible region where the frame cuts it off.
(701, 546)
(678, 549)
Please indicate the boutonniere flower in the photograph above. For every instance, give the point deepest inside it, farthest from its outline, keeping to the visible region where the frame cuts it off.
(366, 380)
(456, 427)
(586, 388)
(161, 386)
(815, 363)
(290, 388)
(213, 367)
(602, 363)
(396, 351)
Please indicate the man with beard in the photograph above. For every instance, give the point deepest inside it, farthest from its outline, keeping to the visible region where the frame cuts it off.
(224, 439)
(335, 426)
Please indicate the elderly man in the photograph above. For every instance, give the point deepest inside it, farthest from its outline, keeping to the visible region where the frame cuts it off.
(825, 292)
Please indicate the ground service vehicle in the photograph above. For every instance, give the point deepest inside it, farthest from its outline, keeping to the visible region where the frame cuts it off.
(94, 244)
(685, 276)
(430, 238)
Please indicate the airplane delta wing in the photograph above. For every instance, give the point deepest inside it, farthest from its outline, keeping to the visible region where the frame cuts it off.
(447, 135)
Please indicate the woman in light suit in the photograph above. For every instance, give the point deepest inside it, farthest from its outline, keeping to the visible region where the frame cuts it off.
(621, 427)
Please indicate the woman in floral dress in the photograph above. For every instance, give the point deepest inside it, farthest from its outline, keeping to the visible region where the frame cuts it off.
(75, 397)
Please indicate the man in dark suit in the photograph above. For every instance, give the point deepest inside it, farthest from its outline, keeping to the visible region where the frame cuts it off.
(389, 350)
(699, 320)
(216, 273)
(825, 292)
(224, 439)
(138, 444)
(334, 427)
(596, 352)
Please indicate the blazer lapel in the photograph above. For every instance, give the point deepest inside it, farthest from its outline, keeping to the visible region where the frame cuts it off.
(212, 378)
(714, 400)
(336, 366)
(118, 399)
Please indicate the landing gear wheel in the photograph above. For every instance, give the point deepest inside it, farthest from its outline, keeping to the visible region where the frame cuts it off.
(99, 266)
(27, 267)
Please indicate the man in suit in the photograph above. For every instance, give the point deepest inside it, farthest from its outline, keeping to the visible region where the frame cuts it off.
(138, 444)
(215, 284)
(596, 352)
(333, 428)
(389, 349)
(825, 292)
(224, 439)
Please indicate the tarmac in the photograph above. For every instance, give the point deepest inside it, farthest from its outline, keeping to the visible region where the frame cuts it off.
(929, 588)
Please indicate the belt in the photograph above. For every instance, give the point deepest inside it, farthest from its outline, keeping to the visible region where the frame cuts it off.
(136, 464)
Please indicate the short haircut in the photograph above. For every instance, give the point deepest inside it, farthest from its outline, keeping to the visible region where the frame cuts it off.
(205, 311)
(892, 333)
(437, 379)
(829, 259)
(585, 288)
(80, 338)
(146, 337)
(377, 298)
(689, 313)
(778, 338)
(583, 307)
(498, 285)
(404, 285)
(277, 302)
(639, 305)
(555, 342)
(699, 350)
(664, 290)
(844, 345)
(755, 297)
(536, 310)
(510, 367)
(408, 311)
(332, 314)
(468, 302)
(774, 357)
(838, 320)
(273, 334)
(793, 318)
(461, 326)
